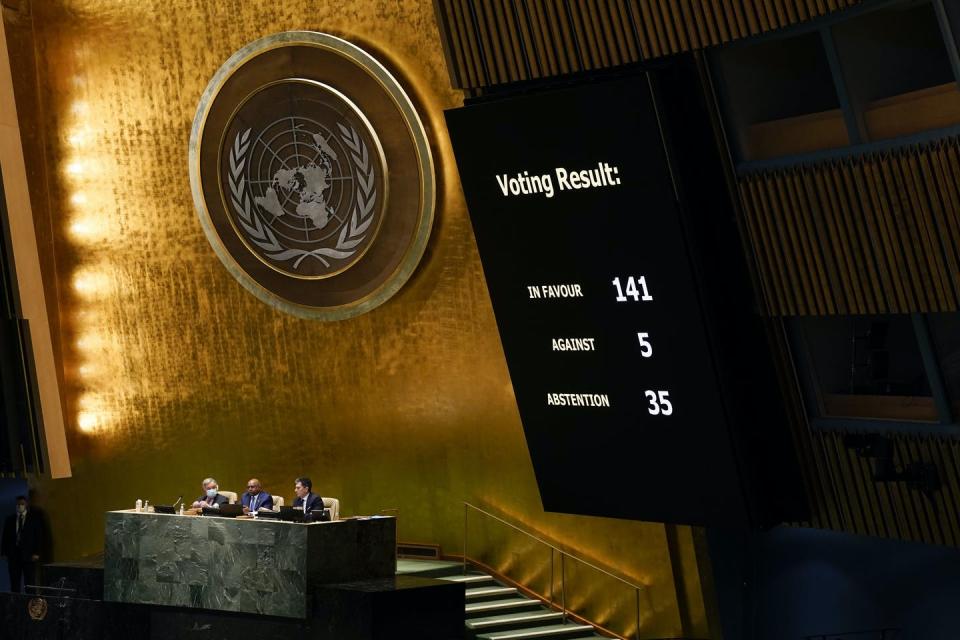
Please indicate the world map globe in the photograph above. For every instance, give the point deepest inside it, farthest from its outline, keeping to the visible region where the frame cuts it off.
(301, 167)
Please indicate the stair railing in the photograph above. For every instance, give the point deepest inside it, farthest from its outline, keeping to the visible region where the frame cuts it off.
(554, 551)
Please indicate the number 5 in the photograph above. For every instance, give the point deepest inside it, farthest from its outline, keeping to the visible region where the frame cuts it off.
(665, 405)
(646, 349)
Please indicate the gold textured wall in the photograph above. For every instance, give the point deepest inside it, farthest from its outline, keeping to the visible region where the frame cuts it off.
(172, 372)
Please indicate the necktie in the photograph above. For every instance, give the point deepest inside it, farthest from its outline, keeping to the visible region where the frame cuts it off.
(19, 527)
(253, 503)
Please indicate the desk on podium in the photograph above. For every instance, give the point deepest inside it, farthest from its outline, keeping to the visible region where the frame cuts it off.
(252, 566)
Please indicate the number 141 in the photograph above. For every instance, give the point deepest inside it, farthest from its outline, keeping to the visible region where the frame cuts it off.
(631, 289)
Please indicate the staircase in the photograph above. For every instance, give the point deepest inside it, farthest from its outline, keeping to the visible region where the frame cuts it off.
(493, 611)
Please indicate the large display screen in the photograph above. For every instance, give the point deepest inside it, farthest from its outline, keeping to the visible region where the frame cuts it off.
(582, 241)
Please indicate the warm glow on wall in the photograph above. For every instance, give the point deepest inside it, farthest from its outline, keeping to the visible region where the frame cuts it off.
(88, 228)
(92, 284)
(91, 342)
(92, 421)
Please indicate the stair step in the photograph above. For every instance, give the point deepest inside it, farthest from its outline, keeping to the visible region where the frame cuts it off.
(505, 605)
(429, 568)
(569, 630)
(510, 621)
(473, 579)
(479, 594)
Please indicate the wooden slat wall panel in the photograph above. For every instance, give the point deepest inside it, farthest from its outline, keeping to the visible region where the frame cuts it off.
(874, 234)
(489, 42)
(845, 497)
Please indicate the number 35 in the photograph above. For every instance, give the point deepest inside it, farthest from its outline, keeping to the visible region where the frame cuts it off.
(659, 403)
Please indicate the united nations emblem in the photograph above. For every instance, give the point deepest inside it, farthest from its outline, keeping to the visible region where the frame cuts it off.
(312, 175)
(37, 608)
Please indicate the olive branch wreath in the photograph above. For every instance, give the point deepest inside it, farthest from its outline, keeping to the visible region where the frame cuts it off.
(354, 230)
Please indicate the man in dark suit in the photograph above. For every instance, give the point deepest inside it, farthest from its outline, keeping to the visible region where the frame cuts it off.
(211, 496)
(307, 500)
(21, 545)
(255, 497)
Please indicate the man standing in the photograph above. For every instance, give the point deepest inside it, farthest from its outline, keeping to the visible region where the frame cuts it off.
(22, 541)
(306, 499)
(255, 497)
(211, 496)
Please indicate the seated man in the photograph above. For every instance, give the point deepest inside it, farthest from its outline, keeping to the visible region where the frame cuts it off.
(255, 497)
(211, 496)
(306, 499)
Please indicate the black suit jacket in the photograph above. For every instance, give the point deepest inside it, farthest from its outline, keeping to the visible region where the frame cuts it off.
(314, 503)
(31, 537)
(219, 499)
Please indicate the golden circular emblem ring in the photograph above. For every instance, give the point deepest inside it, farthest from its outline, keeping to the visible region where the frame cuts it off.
(37, 608)
(312, 175)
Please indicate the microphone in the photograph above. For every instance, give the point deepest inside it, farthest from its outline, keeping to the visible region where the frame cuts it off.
(179, 500)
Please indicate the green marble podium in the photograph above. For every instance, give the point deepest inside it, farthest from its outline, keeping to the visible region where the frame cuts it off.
(252, 566)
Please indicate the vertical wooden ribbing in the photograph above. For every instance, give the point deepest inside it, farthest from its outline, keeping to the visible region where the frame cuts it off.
(563, 41)
(903, 233)
(683, 17)
(844, 509)
(736, 17)
(951, 486)
(529, 43)
(701, 25)
(846, 243)
(651, 23)
(948, 495)
(635, 15)
(669, 24)
(489, 42)
(465, 70)
(928, 232)
(821, 234)
(837, 256)
(868, 242)
(628, 34)
(721, 17)
(875, 234)
(821, 281)
(948, 157)
(767, 194)
(509, 27)
(593, 19)
(710, 31)
(916, 450)
(761, 258)
(761, 10)
(878, 516)
(801, 269)
(866, 197)
(853, 484)
(548, 57)
(467, 29)
(890, 236)
(947, 208)
(453, 47)
(588, 42)
(608, 23)
(924, 452)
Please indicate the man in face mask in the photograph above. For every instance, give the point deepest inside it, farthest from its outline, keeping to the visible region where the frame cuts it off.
(22, 541)
(211, 496)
